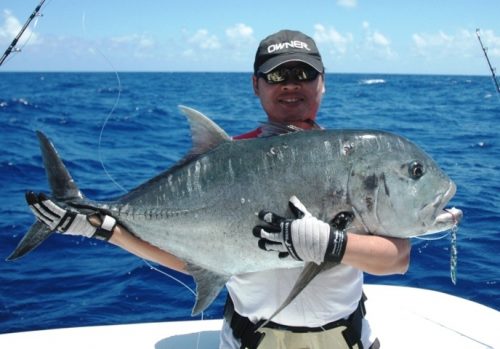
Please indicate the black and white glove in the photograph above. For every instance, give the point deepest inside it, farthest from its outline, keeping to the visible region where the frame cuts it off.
(305, 238)
(67, 221)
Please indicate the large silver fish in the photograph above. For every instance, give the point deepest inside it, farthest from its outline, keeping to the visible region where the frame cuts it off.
(203, 209)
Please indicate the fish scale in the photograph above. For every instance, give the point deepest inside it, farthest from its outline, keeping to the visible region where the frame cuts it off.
(204, 208)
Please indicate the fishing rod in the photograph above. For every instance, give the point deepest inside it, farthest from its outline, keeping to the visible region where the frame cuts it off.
(488, 60)
(13, 44)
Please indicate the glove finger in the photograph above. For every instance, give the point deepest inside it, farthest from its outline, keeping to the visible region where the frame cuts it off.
(31, 198)
(42, 197)
(270, 217)
(40, 213)
(268, 234)
(283, 255)
(298, 208)
(50, 206)
(267, 245)
(269, 228)
(55, 210)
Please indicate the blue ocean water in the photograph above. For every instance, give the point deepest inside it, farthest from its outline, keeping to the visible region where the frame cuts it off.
(72, 281)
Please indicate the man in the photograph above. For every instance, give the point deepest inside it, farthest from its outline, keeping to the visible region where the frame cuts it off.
(289, 81)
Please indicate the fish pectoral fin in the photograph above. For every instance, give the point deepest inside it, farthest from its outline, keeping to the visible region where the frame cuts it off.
(37, 234)
(308, 273)
(208, 286)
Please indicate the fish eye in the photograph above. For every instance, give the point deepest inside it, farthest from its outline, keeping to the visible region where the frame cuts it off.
(416, 170)
(342, 220)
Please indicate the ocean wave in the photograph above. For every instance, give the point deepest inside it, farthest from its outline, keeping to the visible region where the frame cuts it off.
(101, 284)
(372, 81)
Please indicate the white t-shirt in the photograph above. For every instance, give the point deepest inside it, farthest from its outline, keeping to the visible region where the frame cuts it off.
(332, 295)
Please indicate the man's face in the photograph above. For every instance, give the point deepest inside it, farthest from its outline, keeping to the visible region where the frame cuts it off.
(291, 102)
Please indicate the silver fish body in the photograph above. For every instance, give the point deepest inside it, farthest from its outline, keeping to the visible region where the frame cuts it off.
(211, 203)
(203, 209)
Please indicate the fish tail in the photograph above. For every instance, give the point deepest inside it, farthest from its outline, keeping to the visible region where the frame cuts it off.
(61, 183)
(63, 188)
(37, 234)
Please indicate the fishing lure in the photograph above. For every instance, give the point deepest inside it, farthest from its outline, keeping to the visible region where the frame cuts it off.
(453, 255)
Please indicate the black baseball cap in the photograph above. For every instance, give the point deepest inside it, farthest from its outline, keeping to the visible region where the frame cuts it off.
(286, 46)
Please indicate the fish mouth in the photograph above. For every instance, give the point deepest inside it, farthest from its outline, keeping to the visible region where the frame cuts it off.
(445, 219)
(449, 218)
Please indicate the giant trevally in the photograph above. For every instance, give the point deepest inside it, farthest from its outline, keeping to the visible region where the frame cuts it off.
(203, 209)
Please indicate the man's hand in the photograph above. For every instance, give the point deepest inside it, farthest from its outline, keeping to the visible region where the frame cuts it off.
(67, 221)
(305, 238)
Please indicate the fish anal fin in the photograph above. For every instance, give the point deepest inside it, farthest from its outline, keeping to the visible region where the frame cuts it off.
(208, 286)
(308, 273)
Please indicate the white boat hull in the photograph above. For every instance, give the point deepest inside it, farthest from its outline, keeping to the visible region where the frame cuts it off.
(402, 317)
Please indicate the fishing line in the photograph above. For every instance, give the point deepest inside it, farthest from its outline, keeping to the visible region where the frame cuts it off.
(111, 112)
(152, 267)
(173, 278)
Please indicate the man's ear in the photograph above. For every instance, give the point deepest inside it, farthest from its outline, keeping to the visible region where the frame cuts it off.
(255, 85)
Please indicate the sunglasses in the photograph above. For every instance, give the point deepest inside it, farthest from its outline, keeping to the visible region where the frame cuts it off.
(299, 73)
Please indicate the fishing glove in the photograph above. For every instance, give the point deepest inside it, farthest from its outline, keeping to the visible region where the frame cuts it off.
(67, 221)
(305, 238)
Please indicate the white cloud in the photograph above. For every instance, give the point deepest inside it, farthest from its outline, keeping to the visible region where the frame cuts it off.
(377, 42)
(141, 41)
(240, 31)
(347, 3)
(380, 40)
(440, 40)
(419, 41)
(11, 28)
(137, 45)
(441, 44)
(188, 53)
(491, 42)
(240, 36)
(204, 40)
(240, 43)
(330, 36)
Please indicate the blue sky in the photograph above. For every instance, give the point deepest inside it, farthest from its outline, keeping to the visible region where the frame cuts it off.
(360, 36)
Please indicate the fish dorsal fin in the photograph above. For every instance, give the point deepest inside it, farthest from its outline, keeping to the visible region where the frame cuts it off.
(205, 133)
(208, 286)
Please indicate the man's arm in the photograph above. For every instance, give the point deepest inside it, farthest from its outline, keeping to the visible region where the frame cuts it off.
(309, 239)
(98, 225)
(377, 255)
(121, 237)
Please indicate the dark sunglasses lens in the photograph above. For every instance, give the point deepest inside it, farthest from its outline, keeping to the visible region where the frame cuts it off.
(305, 73)
(301, 73)
(276, 76)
